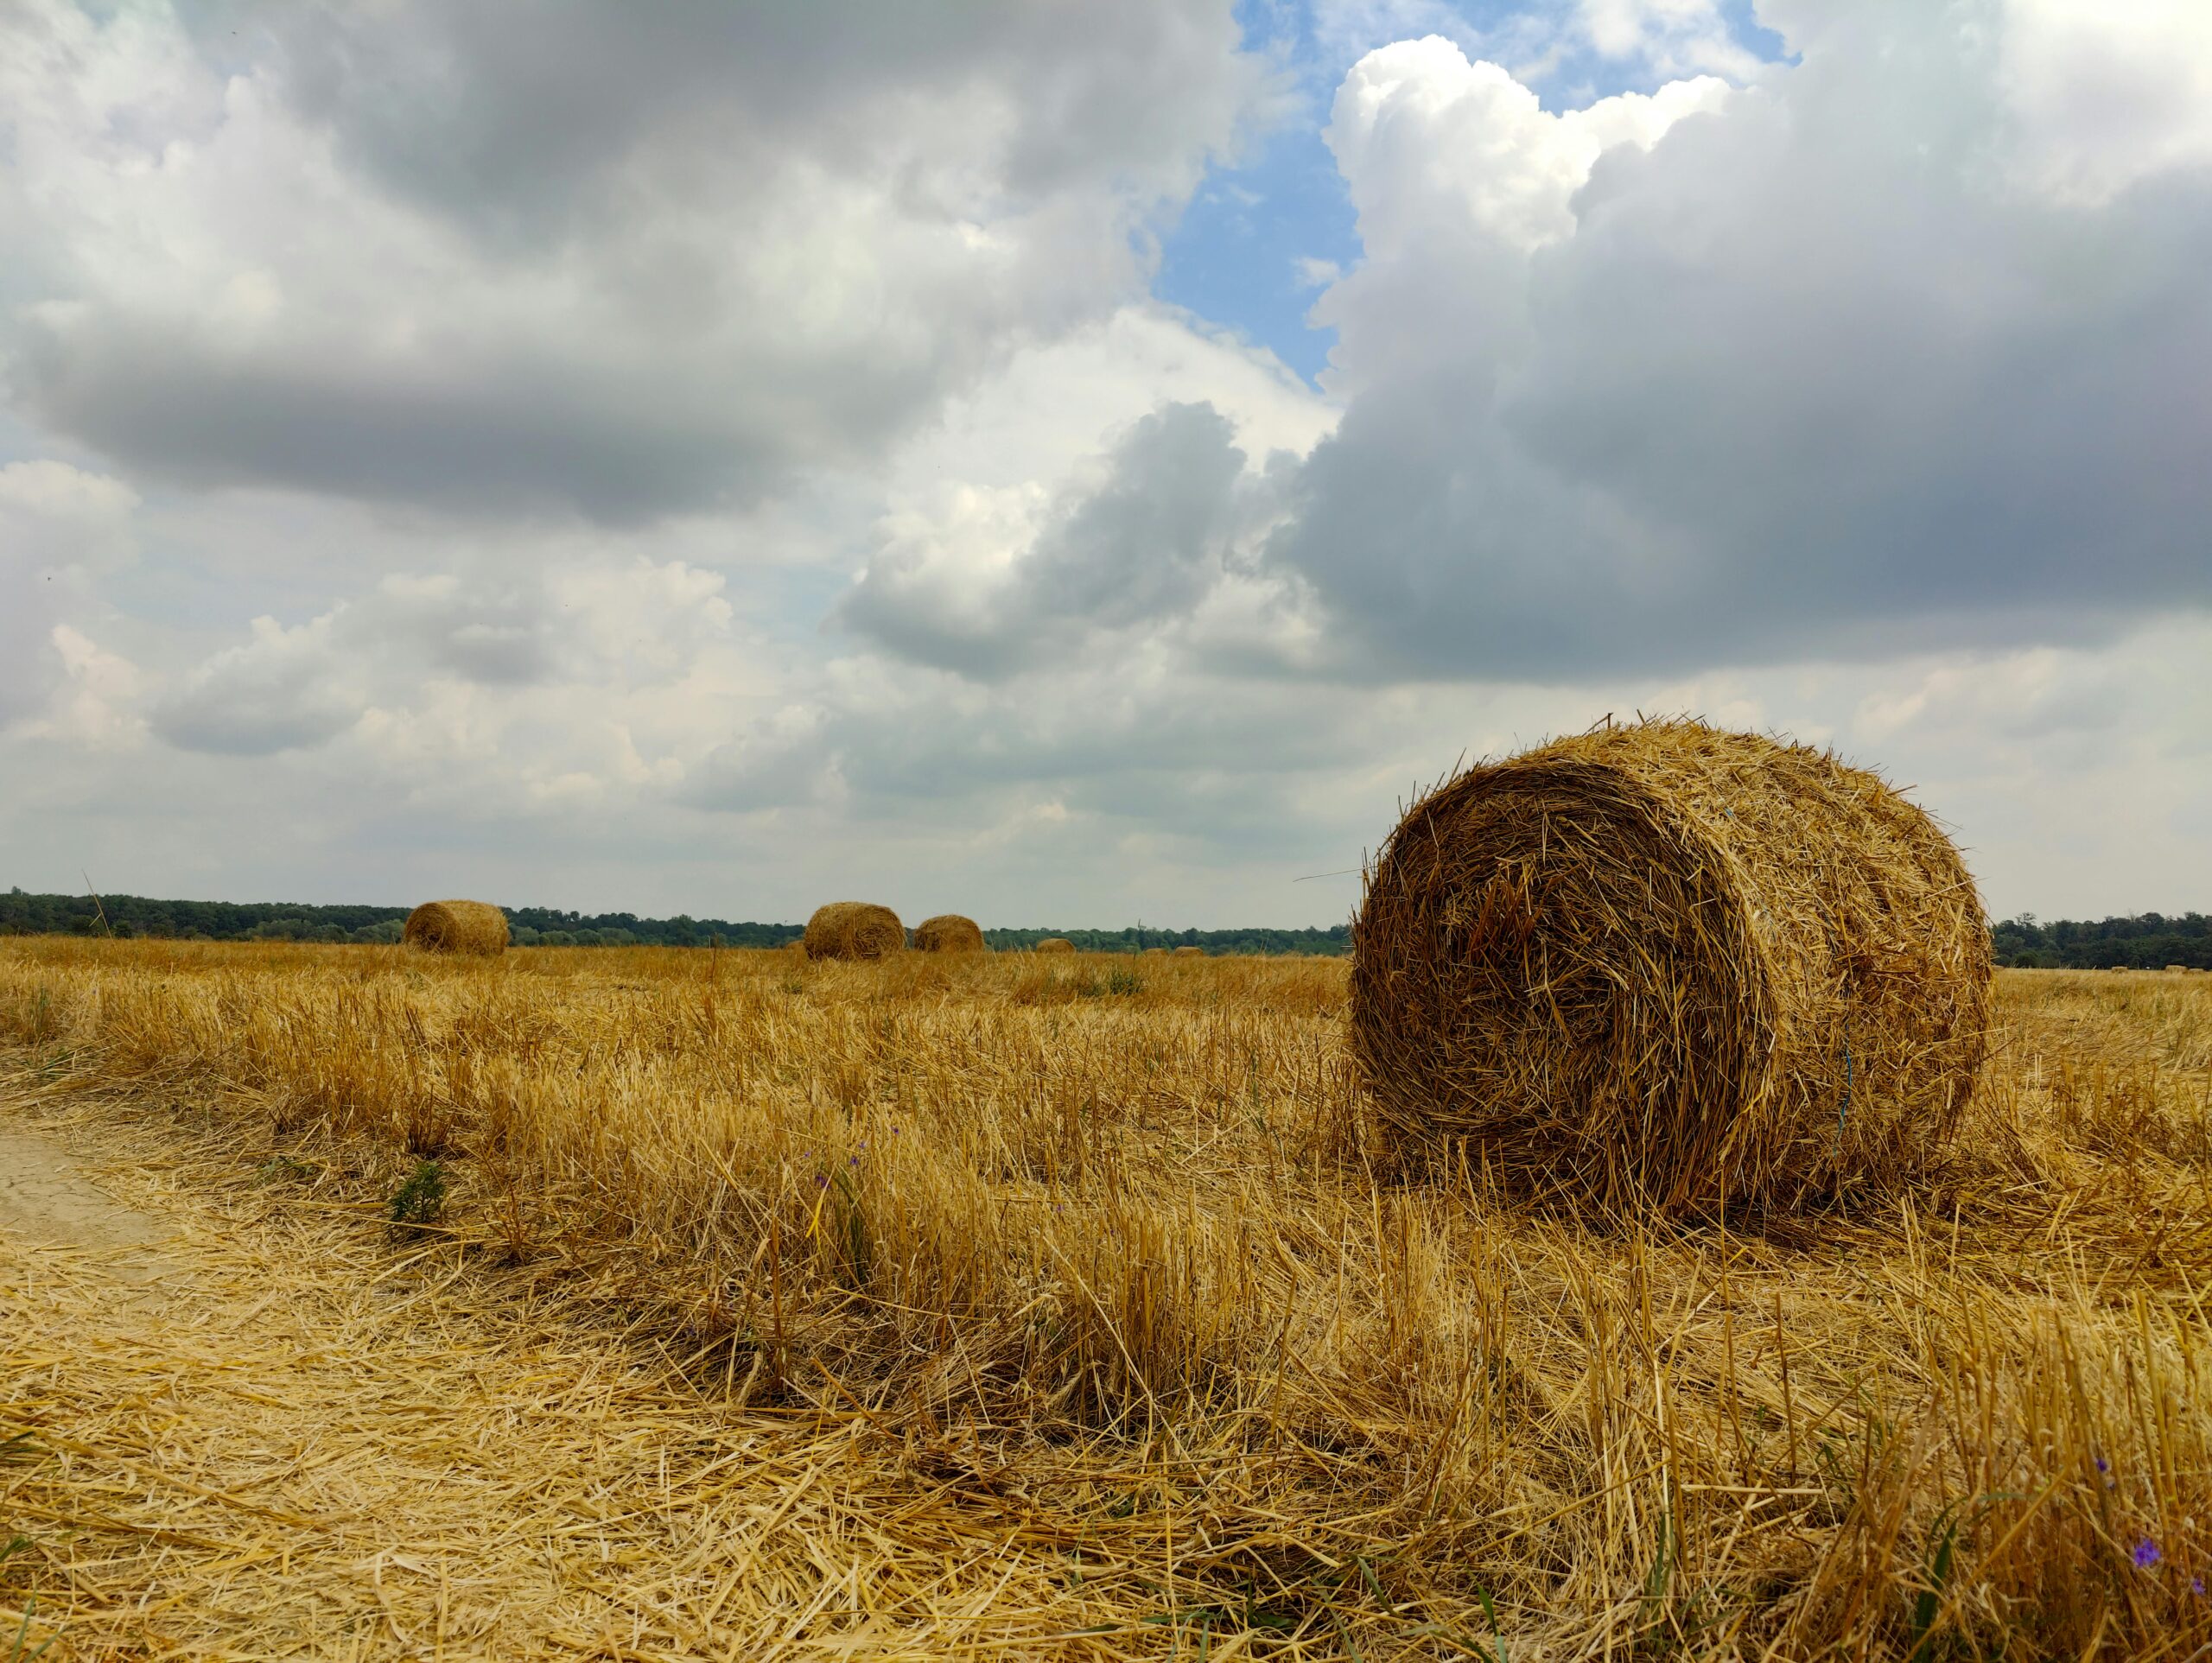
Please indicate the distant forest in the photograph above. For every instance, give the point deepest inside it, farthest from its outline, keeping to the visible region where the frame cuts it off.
(2150, 940)
(536, 926)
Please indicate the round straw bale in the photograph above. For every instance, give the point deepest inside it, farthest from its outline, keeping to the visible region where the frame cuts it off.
(950, 933)
(1155, 952)
(2177, 969)
(457, 927)
(1668, 965)
(1190, 952)
(854, 930)
(1055, 944)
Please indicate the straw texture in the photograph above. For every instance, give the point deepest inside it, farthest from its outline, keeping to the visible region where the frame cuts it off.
(965, 1308)
(1665, 965)
(854, 930)
(457, 927)
(950, 933)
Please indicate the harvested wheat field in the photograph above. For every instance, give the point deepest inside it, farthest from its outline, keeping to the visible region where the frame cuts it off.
(995, 1305)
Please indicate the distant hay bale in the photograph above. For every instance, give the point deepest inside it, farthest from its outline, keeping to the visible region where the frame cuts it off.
(1155, 952)
(854, 930)
(457, 927)
(2177, 969)
(1668, 965)
(1055, 944)
(1190, 952)
(950, 933)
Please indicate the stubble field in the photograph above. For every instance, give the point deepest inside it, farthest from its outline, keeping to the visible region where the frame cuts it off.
(1048, 1306)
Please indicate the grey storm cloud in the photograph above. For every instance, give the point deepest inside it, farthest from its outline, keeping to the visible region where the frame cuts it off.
(1140, 546)
(286, 689)
(520, 120)
(1804, 379)
(437, 430)
(1808, 371)
(513, 259)
(26, 618)
(275, 693)
(781, 761)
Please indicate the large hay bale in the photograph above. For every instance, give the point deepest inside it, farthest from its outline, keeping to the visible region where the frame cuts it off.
(1667, 965)
(854, 930)
(1190, 952)
(2177, 969)
(456, 927)
(1055, 944)
(1155, 952)
(948, 932)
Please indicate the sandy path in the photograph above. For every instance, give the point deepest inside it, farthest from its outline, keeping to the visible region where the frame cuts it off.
(238, 1421)
(52, 1206)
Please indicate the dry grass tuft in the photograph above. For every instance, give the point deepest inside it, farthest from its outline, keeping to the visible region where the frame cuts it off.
(854, 930)
(475, 927)
(950, 933)
(1102, 1277)
(1668, 966)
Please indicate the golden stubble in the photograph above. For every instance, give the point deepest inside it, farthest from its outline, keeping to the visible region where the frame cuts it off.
(1115, 1230)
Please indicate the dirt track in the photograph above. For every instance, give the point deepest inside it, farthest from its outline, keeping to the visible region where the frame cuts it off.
(246, 1423)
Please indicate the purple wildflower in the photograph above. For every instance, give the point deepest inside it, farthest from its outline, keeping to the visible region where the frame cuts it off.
(2147, 1554)
(2103, 1465)
(822, 1180)
(2196, 1586)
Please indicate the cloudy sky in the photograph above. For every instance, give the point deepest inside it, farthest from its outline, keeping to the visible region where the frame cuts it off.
(1074, 463)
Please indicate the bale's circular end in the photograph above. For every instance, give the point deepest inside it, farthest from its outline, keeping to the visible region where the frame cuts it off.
(854, 930)
(950, 933)
(1667, 965)
(1055, 944)
(456, 927)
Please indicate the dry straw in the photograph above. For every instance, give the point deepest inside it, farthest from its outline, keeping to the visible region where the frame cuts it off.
(950, 933)
(854, 930)
(1055, 944)
(1667, 965)
(1021, 1321)
(457, 927)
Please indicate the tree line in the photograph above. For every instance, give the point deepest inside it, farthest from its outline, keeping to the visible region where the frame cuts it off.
(22, 914)
(2148, 941)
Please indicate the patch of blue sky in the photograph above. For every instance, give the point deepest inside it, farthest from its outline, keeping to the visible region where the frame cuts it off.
(1267, 229)
(1259, 242)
